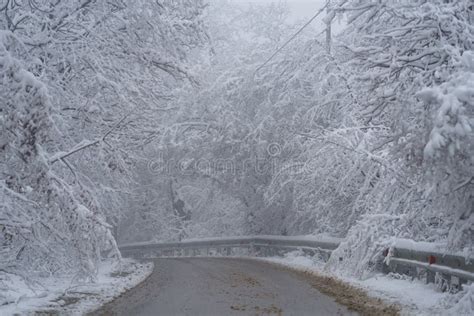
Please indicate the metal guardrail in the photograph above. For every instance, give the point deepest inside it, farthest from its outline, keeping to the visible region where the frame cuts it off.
(256, 246)
(449, 272)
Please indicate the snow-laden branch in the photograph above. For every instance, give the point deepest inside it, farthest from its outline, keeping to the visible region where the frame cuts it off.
(84, 144)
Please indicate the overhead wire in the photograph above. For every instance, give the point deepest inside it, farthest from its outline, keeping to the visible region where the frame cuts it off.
(291, 38)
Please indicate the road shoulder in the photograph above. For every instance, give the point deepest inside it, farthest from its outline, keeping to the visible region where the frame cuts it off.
(60, 296)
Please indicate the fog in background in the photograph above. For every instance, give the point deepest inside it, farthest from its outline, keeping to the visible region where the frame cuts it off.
(300, 11)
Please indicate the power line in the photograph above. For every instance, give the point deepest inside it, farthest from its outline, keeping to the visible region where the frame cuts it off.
(291, 38)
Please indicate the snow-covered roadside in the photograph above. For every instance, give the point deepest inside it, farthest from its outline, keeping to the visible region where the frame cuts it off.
(413, 296)
(59, 295)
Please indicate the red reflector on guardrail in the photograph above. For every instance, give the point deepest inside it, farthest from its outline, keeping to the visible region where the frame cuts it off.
(431, 259)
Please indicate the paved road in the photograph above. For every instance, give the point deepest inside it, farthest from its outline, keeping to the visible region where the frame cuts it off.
(223, 286)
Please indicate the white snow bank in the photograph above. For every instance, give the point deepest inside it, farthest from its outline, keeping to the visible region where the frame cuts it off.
(415, 297)
(63, 296)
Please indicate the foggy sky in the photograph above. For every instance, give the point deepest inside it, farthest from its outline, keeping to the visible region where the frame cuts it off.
(300, 9)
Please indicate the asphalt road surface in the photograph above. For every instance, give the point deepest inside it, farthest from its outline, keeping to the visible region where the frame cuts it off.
(223, 286)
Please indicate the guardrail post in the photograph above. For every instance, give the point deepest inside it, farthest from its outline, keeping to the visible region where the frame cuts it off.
(455, 284)
(383, 261)
(430, 276)
(251, 249)
(442, 281)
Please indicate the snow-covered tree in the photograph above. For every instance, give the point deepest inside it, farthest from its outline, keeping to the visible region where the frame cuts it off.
(83, 84)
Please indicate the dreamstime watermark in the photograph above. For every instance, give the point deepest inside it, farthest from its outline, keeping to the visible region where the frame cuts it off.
(268, 162)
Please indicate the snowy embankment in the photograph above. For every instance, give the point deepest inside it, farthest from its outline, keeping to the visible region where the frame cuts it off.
(413, 296)
(65, 296)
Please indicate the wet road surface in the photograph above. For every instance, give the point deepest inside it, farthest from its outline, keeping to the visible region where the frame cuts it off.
(223, 286)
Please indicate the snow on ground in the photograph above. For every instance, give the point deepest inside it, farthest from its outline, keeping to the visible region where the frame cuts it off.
(415, 297)
(60, 295)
